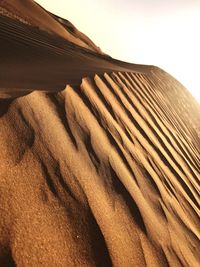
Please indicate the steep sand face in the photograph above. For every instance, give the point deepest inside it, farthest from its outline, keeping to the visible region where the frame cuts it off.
(31, 13)
(103, 173)
(99, 175)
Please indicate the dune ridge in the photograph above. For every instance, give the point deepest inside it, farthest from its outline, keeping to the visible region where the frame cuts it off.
(100, 162)
(27, 51)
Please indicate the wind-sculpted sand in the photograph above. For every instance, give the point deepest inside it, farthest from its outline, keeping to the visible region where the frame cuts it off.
(103, 172)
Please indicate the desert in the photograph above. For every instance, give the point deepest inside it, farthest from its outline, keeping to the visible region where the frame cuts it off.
(100, 159)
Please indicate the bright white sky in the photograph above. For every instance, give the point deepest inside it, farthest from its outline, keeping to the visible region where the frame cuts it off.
(164, 33)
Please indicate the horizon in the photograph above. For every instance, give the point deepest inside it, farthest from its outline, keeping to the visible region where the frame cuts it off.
(157, 33)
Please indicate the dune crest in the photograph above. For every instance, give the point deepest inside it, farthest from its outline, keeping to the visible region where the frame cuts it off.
(100, 162)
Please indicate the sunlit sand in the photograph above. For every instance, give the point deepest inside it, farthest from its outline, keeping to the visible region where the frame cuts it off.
(100, 162)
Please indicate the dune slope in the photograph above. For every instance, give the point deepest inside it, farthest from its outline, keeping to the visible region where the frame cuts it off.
(104, 173)
(100, 162)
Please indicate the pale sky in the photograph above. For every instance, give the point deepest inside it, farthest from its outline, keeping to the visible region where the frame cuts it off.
(164, 33)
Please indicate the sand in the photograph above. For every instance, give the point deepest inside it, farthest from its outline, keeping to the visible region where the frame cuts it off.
(100, 162)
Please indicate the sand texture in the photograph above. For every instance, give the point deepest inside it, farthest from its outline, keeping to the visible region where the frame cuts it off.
(100, 159)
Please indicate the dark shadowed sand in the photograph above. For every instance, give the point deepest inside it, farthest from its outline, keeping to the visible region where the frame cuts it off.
(100, 159)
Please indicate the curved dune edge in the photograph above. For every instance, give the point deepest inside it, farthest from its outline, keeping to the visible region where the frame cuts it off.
(102, 174)
(34, 59)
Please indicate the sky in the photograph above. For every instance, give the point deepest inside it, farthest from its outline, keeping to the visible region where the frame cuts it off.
(164, 33)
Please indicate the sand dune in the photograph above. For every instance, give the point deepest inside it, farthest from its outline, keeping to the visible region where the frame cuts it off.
(100, 162)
